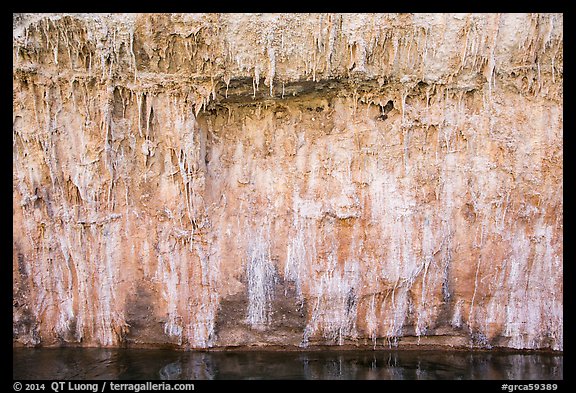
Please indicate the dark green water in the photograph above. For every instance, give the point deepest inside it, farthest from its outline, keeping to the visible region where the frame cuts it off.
(94, 364)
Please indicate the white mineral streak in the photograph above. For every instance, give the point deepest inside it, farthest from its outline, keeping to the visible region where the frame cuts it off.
(261, 275)
(406, 182)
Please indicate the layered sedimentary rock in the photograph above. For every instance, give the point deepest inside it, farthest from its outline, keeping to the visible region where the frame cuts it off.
(219, 180)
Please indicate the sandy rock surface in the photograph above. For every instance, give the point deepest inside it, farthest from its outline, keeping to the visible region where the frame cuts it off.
(219, 180)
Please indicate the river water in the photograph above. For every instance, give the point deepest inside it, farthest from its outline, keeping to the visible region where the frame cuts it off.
(137, 364)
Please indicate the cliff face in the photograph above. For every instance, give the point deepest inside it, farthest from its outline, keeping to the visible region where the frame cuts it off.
(261, 179)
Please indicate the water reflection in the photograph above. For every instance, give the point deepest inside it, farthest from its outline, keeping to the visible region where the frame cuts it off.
(68, 363)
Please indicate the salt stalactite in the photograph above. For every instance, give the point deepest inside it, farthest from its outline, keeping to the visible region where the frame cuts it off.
(111, 318)
(168, 273)
(491, 68)
(261, 279)
(256, 79)
(271, 52)
(299, 254)
(75, 266)
(204, 319)
(332, 34)
(133, 56)
(191, 172)
(423, 314)
(190, 287)
(334, 301)
(191, 302)
(227, 83)
(524, 309)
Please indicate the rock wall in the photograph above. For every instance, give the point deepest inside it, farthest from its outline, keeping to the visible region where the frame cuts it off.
(220, 180)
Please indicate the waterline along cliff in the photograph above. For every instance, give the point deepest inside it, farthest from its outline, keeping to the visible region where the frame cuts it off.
(231, 180)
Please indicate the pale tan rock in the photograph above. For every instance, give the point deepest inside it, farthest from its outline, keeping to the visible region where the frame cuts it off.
(200, 180)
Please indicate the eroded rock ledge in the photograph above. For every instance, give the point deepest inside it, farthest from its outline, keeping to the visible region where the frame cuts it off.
(222, 180)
